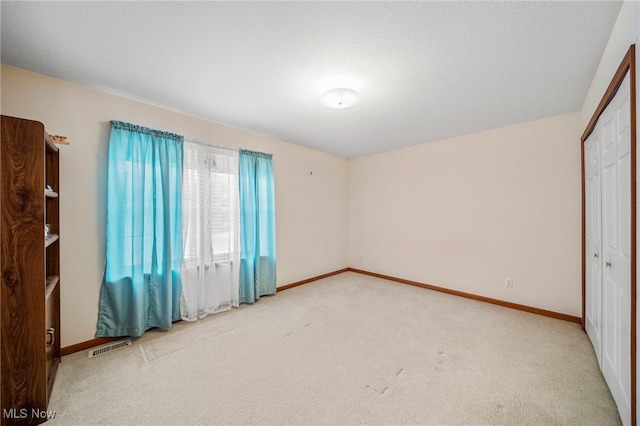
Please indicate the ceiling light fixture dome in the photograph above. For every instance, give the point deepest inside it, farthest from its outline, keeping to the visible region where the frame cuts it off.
(339, 98)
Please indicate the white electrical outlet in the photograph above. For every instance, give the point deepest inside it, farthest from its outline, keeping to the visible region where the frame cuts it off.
(361, 258)
(508, 282)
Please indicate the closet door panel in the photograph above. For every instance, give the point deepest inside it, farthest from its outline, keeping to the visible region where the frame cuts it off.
(620, 104)
(616, 241)
(610, 297)
(593, 230)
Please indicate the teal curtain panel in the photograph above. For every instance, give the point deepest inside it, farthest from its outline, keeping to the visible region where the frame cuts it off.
(141, 286)
(257, 226)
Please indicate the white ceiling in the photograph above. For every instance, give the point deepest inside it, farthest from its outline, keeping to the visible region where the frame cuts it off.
(425, 70)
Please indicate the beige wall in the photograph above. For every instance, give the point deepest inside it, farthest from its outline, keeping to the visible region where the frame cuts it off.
(311, 209)
(465, 213)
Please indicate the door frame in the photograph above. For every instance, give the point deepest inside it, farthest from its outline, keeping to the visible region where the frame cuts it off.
(628, 65)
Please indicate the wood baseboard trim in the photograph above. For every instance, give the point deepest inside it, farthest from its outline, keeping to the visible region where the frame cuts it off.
(498, 302)
(78, 347)
(68, 350)
(309, 280)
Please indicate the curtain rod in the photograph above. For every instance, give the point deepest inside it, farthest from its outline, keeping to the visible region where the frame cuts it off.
(129, 126)
(200, 142)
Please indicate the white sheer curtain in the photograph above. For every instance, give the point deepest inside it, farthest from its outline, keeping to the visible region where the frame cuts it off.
(210, 230)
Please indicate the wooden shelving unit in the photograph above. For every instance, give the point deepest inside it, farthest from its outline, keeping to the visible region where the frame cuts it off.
(30, 264)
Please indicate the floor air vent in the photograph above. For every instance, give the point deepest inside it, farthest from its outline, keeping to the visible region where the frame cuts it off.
(108, 348)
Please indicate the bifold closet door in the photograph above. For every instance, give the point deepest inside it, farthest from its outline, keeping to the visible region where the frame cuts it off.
(608, 271)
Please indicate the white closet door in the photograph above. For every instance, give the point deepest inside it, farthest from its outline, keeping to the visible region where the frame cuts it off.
(616, 244)
(593, 228)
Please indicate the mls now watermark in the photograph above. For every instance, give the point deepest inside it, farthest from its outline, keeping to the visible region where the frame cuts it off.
(25, 413)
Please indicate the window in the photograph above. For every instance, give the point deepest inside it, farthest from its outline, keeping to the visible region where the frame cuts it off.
(210, 230)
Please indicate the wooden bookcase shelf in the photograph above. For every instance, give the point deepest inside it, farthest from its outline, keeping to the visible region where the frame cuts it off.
(52, 282)
(52, 238)
(50, 194)
(30, 314)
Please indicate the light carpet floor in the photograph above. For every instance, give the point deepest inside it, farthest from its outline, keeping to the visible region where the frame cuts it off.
(349, 349)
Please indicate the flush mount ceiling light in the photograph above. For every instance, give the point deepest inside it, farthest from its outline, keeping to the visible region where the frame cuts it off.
(340, 98)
